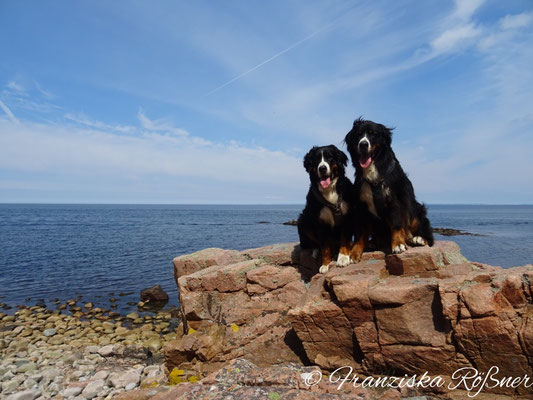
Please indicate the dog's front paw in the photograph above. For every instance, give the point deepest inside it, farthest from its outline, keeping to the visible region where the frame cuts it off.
(399, 248)
(419, 241)
(343, 260)
(323, 269)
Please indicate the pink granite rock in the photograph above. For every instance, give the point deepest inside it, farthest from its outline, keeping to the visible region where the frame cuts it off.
(425, 310)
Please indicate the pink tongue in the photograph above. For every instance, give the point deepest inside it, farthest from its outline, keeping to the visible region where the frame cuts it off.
(366, 163)
(325, 183)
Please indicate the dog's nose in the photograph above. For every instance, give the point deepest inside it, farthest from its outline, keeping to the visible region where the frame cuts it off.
(322, 169)
(363, 145)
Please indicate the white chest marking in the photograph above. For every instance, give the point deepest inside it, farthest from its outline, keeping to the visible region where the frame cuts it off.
(366, 197)
(330, 193)
(371, 173)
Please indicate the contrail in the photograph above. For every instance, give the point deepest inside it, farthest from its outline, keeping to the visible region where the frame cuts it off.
(292, 46)
(8, 112)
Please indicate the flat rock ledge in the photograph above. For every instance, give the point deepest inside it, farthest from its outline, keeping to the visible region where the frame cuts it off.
(426, 310)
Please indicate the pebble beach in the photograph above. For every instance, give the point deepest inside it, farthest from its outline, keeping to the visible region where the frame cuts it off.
(79, 351)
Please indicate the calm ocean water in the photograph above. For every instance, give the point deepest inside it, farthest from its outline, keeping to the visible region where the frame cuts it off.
(98, 251)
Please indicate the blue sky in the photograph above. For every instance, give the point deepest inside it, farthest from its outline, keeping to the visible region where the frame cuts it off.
(217, 102)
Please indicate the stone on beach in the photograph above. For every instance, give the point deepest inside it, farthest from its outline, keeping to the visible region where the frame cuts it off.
(25, 395)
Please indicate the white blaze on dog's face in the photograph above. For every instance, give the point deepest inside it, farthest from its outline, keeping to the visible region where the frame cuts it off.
(325, 164)
(365, 141)
(324, 172)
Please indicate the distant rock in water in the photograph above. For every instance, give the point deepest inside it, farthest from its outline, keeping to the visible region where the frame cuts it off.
(453, 232)
(293, 222)
(154, 294)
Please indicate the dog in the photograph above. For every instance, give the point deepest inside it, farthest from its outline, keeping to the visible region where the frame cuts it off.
(324, 224)
(384, 189)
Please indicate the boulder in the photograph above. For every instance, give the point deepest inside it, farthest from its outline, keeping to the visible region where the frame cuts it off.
(190, 263)
(425, 310)
(154, 294)
(237, 310)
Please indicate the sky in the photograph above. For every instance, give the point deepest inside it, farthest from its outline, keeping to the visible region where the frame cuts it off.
(217, 102)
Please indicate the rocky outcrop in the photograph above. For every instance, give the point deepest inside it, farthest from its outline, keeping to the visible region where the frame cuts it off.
(426, 310)
(237, 308)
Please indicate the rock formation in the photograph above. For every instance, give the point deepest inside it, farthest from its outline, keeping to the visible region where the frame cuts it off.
(426, 310)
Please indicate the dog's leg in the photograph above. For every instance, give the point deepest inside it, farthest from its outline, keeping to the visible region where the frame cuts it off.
(344, 258)
(420, 229)
(413, 230)
(326, 257)
(398, 229)
(358, 247)
(398, 241)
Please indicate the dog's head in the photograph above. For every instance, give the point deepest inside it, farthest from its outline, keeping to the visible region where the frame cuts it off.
(366, 141)
(325, 164)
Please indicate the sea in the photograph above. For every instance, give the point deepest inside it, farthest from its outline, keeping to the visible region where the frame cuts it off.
(94, 252)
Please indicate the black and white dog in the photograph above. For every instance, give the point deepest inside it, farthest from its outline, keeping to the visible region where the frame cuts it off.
(386, 191)
(324, 224)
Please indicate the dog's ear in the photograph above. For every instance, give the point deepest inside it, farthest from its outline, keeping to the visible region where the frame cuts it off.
(343, 159)
(308, 159)
(349, 139)
(387, 134)
(350, 136)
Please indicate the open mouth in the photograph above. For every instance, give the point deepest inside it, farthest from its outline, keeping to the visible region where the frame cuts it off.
(325, 182)
(365, 160)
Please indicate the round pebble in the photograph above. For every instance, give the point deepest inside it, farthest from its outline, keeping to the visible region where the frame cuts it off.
(49, 332)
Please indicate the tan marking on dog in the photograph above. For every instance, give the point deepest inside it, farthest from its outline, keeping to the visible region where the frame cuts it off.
(411, 228)
(325, 251)
(326, 216)
(414, 225)
(344, 207)
(398, 241)
(367, 197)
(357, 250)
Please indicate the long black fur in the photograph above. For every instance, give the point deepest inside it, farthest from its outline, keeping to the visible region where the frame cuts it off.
(392, 193)
(314, 232)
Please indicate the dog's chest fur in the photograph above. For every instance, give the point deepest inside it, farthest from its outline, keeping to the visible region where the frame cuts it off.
(332, 196)
(369, 195)
(371, 173)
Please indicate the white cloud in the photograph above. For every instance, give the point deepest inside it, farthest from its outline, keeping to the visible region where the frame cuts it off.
(454, 38)
(15, 86)
(29, 97)
(159, 125)
(154, 163)
(508, 28)
(82, 119)
(8, 112)
(464, 9)
(516, 21)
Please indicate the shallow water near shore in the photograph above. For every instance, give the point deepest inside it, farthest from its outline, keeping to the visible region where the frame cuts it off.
(113, 251)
